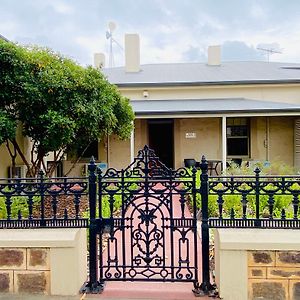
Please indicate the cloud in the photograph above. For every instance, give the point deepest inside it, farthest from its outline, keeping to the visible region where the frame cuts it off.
(239, 51)
(231, 51)
(62, 8)
(194, 54)
(170, 30)
(257, 11)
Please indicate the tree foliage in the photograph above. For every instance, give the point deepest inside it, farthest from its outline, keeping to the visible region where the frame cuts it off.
(60, 104)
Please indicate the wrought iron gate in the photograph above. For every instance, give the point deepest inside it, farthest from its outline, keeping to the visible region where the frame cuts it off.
(144, 222)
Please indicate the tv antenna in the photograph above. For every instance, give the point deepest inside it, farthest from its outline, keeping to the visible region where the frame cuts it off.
(109, 36)
(269, 51)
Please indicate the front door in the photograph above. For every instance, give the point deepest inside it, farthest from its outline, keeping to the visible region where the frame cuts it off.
(161, 140)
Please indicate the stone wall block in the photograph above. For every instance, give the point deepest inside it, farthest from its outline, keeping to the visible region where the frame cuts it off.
(261, 258)
(38, 259)
(288, 259)
(12, 258)
(283, 273)
(268, 289)
(32, 282)
(6, 281)
(257, 272)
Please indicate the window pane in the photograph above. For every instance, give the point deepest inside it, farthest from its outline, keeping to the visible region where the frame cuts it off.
(237, 146)
(237, 121)
(237, 131)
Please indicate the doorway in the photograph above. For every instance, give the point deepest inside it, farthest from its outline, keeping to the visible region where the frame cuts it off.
(161, 140)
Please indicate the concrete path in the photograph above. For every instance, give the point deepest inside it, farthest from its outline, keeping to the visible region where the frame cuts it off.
(147, 291)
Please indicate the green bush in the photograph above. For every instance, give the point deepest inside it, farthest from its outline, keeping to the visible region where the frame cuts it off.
(233, 201)
(19, 203)
(278, 168)
(130, 184)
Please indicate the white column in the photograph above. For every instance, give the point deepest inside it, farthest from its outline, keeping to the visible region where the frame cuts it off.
(268, 139)
(132, 144)
(107, 151)
(224, 142)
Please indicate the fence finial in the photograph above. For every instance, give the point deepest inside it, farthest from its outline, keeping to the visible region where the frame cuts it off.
(257, 171)
(204, 165)
(92, 166)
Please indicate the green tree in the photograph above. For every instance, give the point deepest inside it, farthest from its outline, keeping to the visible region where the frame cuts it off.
(59, 104)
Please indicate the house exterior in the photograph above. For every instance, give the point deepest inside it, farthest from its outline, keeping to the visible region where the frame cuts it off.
(247, 111)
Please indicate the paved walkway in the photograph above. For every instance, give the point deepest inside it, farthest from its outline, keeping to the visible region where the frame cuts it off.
(146, 291)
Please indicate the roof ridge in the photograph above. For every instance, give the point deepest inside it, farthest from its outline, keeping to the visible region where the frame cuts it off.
(205, 63)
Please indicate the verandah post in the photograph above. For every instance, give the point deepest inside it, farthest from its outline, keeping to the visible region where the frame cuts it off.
(205, 286)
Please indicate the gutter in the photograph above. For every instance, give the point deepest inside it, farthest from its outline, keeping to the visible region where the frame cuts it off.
(207, 83)
(161, 113)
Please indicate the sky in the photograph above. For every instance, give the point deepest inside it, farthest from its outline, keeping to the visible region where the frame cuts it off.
(171, 31)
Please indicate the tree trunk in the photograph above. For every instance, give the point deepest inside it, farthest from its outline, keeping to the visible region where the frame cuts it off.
(13, 156)
(77, 160)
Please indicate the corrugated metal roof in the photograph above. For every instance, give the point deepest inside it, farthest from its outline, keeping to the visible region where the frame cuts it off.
(209, 106)
(203, 74)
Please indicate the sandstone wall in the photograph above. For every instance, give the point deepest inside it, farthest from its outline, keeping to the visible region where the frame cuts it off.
(24, 270)
(274, 274)
(43, 261)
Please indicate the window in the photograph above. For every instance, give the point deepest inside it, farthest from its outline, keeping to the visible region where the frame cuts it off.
(237, 136)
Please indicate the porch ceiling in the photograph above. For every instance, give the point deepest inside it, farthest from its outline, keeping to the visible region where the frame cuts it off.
(215, 106)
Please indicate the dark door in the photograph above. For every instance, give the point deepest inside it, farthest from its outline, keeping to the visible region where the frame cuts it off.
(161, 140)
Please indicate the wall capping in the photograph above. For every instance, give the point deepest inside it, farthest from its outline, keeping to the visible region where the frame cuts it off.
(258, 239)
(44, 237)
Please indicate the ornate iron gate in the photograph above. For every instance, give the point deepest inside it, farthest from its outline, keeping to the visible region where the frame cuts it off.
(143, 220)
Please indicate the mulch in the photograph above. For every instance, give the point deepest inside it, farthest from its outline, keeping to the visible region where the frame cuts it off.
(63, 202)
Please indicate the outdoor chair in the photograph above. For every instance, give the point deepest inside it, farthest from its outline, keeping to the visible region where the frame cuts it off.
(237, 161)
(189, 162)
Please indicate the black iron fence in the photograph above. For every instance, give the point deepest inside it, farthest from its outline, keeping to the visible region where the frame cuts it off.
(43, 202)
(226, 202)
(245, 202)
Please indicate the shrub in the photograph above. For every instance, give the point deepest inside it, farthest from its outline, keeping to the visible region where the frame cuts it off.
(234, 201)
(19, 203)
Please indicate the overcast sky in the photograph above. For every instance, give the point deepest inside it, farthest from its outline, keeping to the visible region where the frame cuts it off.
(170, 30)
